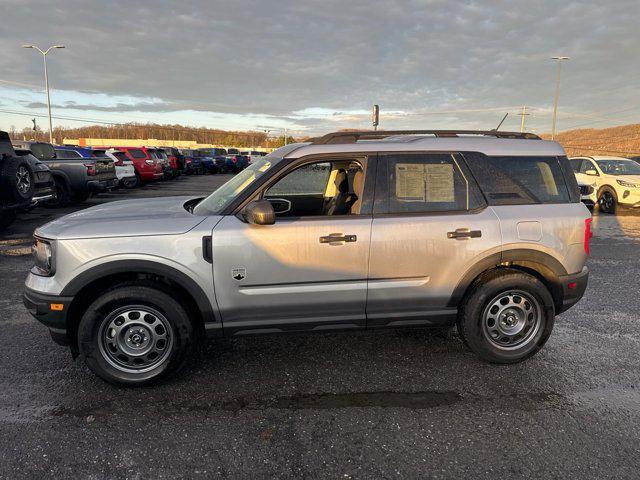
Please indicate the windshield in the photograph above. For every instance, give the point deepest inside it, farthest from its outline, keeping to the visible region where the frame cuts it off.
(223, 196)
(619, 167)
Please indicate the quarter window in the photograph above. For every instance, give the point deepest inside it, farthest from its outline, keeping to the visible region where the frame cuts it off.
(427, 183)
(507, 180)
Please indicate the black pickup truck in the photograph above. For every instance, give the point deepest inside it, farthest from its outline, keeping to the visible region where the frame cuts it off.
(24, 181)
(76, 176)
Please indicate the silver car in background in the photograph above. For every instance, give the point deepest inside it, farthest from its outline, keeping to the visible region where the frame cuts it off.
(484, 231)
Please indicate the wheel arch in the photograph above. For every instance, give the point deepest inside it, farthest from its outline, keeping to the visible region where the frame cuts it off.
(87, 286)
(539, 264)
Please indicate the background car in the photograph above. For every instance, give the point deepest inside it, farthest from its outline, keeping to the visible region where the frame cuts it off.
(162, 159)
(213, 159)
(588, 194)
(617, 180)
(193, 162)
(147, 169)
(125, 171)
(176, 159)
(76, 173)
(16, 182)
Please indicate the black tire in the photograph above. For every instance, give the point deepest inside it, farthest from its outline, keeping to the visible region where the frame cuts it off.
(475, 318)
(7, 217)
(63, 197)
(16, 180)
(131, 183)
(607, 200)
(103, 357)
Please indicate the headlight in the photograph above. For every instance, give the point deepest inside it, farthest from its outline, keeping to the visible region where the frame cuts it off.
(627, 184)
(150, 162)
(43, 257)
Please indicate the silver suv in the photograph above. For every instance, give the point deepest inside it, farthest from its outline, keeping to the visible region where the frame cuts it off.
(353, 230)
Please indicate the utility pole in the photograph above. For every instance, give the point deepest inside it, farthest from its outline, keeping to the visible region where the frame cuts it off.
(523, 114)
(559, 60)
(46, 81)
(375, 117)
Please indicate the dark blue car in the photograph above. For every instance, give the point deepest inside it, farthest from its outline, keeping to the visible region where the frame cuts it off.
(214, 158)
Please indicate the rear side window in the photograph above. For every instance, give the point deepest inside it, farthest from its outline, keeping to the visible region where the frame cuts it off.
(120, 156)
(511, 180)
(137, 153)
(43, 151)
(426, 183)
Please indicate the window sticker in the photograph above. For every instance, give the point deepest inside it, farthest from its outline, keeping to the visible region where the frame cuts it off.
(410, 184)
(439, 179)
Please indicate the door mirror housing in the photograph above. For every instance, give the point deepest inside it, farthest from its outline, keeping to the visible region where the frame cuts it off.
(259, 212)
(591, 172)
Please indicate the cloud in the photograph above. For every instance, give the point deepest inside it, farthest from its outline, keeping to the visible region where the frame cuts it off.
(274, 58)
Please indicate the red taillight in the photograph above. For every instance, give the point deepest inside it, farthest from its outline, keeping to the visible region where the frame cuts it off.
(91, 169)
(587, 234)
(119, 163)
(572, 285)
(234, 159)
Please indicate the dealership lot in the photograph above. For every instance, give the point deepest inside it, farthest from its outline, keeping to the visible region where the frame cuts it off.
(365, 404)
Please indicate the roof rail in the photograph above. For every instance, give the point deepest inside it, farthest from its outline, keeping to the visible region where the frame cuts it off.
(353, 137)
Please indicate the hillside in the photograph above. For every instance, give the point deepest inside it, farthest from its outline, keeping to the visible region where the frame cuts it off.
(621, 141)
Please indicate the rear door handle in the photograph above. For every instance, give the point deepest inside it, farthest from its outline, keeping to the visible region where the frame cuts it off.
(464, 233)
(338, 239)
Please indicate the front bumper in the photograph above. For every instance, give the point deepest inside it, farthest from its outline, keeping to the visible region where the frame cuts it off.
(573, 288)
(50, 310)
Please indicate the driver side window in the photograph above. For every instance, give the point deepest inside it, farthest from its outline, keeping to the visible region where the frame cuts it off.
(318, 189)
(587, 165)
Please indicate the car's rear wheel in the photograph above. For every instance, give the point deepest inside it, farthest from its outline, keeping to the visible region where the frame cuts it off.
(134, 335)
(63, 196)
(608, 201)
(507, 317)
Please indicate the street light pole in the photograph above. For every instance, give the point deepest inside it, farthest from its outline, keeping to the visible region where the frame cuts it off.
(555, 99)
(46, 82)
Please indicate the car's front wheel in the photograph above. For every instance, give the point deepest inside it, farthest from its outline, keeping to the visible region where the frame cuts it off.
(507, 317)
(134, 335)
(607, 201)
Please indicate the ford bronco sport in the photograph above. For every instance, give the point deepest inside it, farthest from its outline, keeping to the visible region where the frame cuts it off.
(353, 230)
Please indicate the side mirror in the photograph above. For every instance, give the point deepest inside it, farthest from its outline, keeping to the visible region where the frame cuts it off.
(591, 172)
(260, 212)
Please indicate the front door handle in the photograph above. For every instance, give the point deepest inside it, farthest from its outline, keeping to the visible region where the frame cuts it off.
(464, 233)
(338, 239)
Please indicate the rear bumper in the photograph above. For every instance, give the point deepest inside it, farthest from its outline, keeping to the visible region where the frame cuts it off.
(101, 185)
(573, 288)
(50, 310)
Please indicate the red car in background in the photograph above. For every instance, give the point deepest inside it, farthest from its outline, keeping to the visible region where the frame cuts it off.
(147, 168)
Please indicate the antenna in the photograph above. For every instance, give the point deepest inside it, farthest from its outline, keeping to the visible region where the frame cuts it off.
(501, 122)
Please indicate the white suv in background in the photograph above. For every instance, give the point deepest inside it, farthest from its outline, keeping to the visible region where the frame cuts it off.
(616, 179)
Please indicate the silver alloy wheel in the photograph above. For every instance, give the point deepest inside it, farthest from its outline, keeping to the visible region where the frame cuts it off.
(23, 182)
(511, 320)
(135, 339)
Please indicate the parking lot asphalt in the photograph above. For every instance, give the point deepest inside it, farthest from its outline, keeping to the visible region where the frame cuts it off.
(385, 404)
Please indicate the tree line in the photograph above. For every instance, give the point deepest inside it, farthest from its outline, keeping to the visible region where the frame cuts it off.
(143, 131)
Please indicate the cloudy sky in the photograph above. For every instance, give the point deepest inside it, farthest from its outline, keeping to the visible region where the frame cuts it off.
(315, 66)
